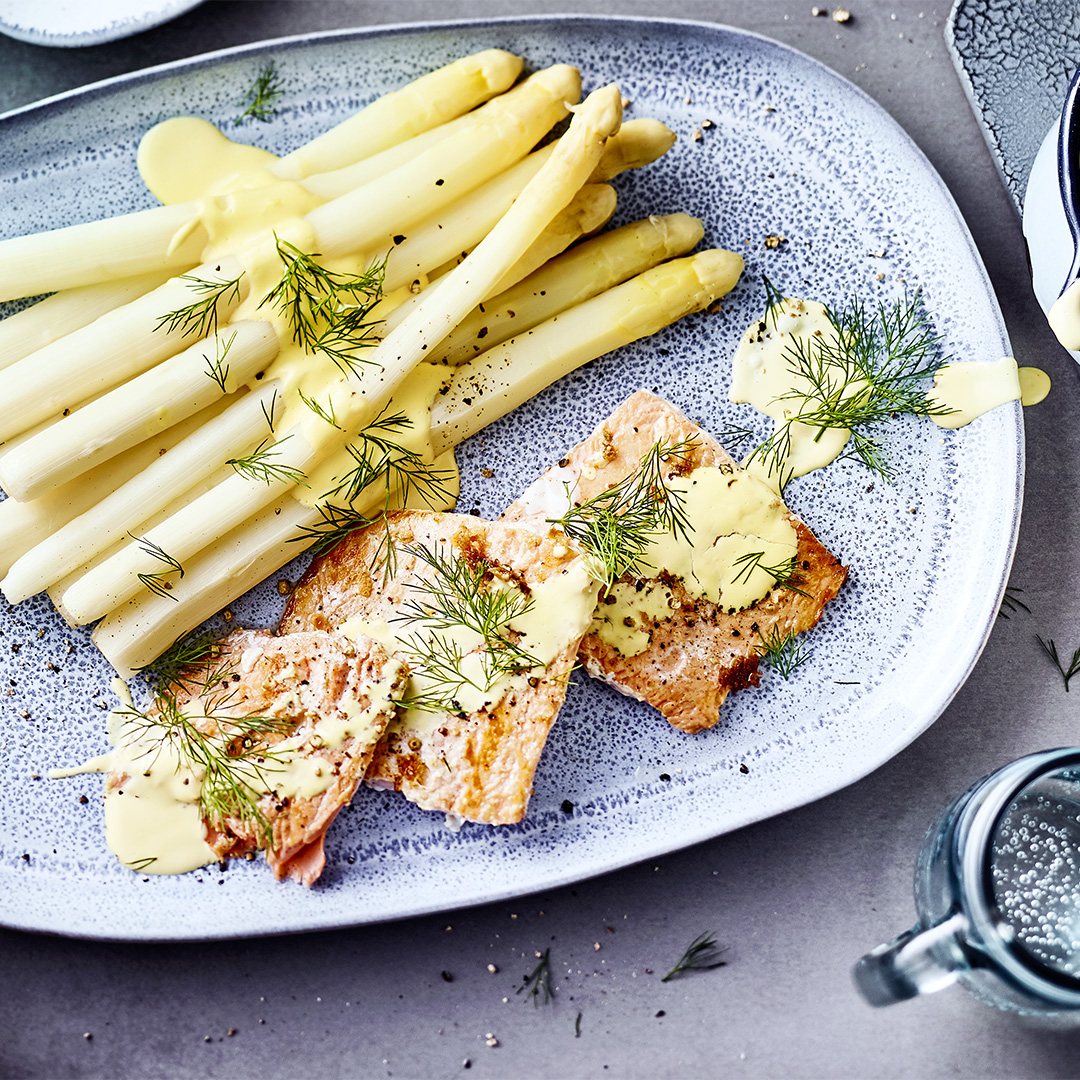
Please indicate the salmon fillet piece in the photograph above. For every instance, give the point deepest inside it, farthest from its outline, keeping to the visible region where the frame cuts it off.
(699, 652)
(477, 764)
(331, 698)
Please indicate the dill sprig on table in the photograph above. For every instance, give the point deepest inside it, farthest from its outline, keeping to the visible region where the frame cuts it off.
(874, 367)
(1066, 671)
(617, 525)
(537, 985)
(702, 954)
(261, 98)
(1011, 602)
(200, 317)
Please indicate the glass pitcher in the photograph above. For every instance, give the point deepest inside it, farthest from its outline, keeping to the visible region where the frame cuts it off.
(997, 891)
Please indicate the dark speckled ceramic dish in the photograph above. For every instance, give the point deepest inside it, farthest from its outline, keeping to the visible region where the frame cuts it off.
(794, 150)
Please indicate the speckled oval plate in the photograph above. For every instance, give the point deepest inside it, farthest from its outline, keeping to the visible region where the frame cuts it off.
(791, 150)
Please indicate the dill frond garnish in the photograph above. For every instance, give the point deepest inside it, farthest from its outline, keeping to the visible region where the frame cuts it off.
(260, 465)
(326, 414)
(774, 301)
(1011, 602)
(200, 317)
(189, 653)
(334, 524)
(262, 96)
(617, 525)
(537, 984)
(784, 574)
(396, 468)
(268, 413)
(872, 368)
(702, 954)
(227, 751)
(217, 369)
(141, 864)
(327, 311)
(733, 437)
(1066, 672)
(157, 582)
(783, 652)
(461, 593)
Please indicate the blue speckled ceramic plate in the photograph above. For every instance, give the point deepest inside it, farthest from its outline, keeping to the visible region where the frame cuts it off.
(793, 150)
(73, 24)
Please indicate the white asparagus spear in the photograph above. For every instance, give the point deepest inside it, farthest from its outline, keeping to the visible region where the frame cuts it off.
(562, 282)
(134, 635)
(424, 103)
(50, 319)
(219, 510)
(506, 376)
(120, 344)
(24, 525)
(508, 129)
(140, 408)
(560, 177)
(81, 531)
(204, 520)
(143, 242)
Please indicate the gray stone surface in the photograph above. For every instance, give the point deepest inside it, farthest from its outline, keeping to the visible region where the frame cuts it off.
(796, 899)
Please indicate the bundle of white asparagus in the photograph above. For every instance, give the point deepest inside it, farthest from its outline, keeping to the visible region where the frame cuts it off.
(209, 385)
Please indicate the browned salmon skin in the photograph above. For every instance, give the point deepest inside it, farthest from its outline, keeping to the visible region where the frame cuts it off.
(700, 652)
(477, 765)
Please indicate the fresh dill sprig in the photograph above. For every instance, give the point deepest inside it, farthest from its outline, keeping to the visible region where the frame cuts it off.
(617, 525)
(200, 317)
(189, 653)
(334, 524)
(268, 413)
(260, 465)
(460, 594)
(217, 369)
(774, 301)
(399, 470)
(157, 582)
(733, 437)
(702, 954)
(784, 574)
(1066, 672)
(229, 752)
(872, 368)
(537, 984)
(327, 311)
(327, 414)
(1011, 601)
(141, 864)
(262, 96)
(783, 652)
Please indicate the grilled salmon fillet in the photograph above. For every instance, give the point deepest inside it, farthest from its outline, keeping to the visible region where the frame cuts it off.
(474, 762)
(299, 717)
(697, 652)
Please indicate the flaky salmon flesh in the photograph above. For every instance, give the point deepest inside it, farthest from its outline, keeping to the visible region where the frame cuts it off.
(282, 690)
(479, 764)
(699, 653)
